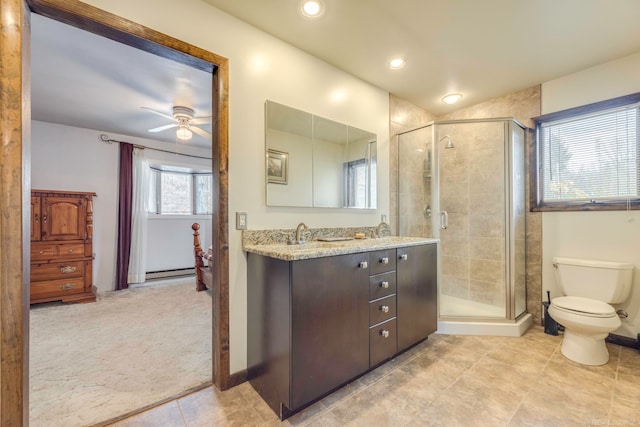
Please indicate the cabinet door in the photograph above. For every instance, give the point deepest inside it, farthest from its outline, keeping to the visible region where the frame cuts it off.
(329, 324)
(63, 218)
(35, 218)
(416, 294)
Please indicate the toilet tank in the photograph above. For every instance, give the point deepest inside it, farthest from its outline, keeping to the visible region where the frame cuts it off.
(601, 280)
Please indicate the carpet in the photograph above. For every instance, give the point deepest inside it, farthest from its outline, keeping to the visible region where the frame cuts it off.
(92, 362)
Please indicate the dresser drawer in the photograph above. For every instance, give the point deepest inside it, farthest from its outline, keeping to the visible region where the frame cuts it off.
(382, 285)
(54, 288)
(382, 261)
(57, 270)
(383, 342)
(47, 251)
(382, 309)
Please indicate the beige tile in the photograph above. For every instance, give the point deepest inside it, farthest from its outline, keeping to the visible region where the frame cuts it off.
(210, 405)
(167, 415)
(622, 415)
(449, 411)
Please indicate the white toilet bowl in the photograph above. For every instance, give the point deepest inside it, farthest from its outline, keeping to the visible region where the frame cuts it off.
(587, 323)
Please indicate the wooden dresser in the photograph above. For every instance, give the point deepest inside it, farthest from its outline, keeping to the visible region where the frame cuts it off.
(61, 246)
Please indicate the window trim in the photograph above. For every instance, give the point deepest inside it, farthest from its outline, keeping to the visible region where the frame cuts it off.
(536, 204)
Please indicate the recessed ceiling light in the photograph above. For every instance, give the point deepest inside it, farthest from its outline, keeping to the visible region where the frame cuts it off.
(397, 63)
(452, 98)
(312, 8)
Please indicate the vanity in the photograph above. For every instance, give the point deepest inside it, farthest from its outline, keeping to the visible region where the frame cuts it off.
(321, 314)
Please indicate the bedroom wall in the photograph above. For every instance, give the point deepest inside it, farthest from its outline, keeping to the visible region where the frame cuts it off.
(612, 235)
(262, 67)
(70, 158)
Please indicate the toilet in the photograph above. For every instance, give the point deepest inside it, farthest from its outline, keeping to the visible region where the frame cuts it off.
(589, 287)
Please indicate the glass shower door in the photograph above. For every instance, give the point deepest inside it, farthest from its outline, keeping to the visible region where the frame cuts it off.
(473, 219)
(415, 171)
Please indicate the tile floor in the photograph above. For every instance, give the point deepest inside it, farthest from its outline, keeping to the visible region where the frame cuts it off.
(447, 380)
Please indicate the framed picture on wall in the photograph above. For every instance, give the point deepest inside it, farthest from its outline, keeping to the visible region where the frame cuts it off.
(277, 167)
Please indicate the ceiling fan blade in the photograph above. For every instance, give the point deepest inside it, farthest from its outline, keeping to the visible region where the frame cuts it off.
(158, 113)
(203, 133)
(204, 120)
(165, 127)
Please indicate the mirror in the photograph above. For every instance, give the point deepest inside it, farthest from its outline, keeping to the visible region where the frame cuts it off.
(317, 162)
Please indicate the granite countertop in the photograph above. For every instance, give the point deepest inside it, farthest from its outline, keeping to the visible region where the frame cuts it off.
(318, 249)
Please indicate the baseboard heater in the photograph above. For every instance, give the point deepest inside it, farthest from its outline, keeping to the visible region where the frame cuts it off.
(176, 272)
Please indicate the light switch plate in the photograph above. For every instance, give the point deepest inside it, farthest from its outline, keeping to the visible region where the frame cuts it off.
(241, 220)
(383, 217)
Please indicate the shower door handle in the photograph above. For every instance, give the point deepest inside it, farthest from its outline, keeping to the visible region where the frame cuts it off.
(444, 220)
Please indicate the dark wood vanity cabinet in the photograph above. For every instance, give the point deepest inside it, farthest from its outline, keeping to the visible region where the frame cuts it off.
(417, 294)
(316, 324)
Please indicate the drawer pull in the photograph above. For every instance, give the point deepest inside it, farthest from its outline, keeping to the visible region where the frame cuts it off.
(41, 252)
(68, 269)
(384, 260)
(384, 285)
(68, 286)
(384, 333)
(384, 308)
(70, 251)
(364, 264)
(404, 257)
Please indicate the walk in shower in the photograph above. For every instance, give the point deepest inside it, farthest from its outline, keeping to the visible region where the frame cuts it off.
(464, 183)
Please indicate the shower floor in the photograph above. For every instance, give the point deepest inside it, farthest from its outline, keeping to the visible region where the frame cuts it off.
(460, 307)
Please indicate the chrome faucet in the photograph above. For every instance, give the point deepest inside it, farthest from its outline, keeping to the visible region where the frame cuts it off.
(382, 228)
(299, 230)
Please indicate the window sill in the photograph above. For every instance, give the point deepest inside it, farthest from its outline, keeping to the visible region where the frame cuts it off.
(176, 216)
(586, 206)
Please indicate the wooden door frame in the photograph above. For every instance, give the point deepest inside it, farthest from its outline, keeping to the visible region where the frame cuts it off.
(15, 171)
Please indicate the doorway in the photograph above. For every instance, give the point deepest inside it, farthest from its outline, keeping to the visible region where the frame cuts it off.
(14, 295)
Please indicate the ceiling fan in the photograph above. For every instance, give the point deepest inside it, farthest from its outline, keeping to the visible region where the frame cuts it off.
(185, 122)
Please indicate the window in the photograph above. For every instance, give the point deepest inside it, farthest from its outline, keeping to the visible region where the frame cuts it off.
(588, 157)
(180, 193)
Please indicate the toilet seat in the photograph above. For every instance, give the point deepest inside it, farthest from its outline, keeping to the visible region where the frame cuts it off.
(584, 307)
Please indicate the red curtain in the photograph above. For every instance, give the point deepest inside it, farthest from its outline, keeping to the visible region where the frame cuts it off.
(125, 201)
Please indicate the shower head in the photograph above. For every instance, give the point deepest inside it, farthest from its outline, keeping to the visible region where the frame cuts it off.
(449, 142)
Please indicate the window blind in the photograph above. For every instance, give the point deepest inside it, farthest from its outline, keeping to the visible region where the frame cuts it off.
(591, 157)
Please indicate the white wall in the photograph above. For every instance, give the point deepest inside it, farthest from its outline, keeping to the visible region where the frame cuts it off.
(70, 158)
(262, 67)
(594, 235)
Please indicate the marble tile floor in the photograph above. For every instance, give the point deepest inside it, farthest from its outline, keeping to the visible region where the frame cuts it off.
(448, 380)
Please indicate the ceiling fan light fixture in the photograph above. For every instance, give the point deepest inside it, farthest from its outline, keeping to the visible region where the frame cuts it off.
(452, 98)
(184, 133)
(312, 8)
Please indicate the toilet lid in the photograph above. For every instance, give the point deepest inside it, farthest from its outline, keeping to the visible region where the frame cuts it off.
(587, 306)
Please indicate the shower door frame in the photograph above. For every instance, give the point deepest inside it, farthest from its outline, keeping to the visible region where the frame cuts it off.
(509, 239)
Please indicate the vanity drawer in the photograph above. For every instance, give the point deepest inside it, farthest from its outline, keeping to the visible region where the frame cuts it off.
(382, 261)
(57, 270)
(382, 285)
(382, 309)
(383, 342)
(55, 288)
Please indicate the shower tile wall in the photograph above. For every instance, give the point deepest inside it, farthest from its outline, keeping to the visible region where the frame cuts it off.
(472, 192)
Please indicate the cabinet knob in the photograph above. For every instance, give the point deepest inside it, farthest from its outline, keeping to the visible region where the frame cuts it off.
(404, 257)
(384, 333)
(384, 260)
(70, 251)
(41, 252)
(384, 285)
(364, 264)
(384, 309)
(68, 269)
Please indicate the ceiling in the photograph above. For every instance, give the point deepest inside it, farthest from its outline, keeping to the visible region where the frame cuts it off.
(84, 80)
(482, 49)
